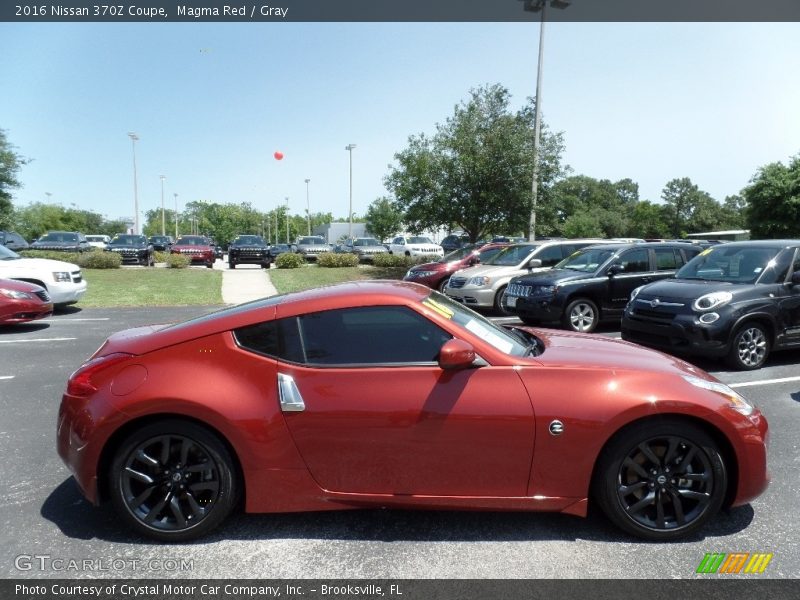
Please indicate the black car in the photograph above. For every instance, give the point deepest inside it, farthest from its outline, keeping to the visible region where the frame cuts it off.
(276, 250)
(62, 241)
(738, 300)
(161, 243)
(249, 250)
(12, 240)
(454, 242)
(134, 249)
(593, 284)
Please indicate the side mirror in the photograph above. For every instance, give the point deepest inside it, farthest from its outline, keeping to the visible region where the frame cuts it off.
(474, 261)
(615, 268)
(456, 354)
(534, 263)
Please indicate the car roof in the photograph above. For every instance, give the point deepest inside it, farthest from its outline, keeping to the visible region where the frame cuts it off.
(760, 244)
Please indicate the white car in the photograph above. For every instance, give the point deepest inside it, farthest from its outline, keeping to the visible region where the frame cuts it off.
(415, 246)
(63, 281)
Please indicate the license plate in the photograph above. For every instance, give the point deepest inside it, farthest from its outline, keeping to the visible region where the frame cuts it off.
(511, 301)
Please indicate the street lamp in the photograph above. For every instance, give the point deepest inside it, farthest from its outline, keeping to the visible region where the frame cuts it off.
(134, 139)
(349, 148)
(176, 214)
(536, 6)
(163, 218)
(287, 219)
(308, 208)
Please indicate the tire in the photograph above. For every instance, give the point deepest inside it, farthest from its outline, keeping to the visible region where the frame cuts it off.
(231, 265)
(265, 265)
(750, 347)
(174, 509)
(408, 253)
(581, 315)
(443, 284)
(151, 261)
(498, 303)
(210, 265)
(666, 498)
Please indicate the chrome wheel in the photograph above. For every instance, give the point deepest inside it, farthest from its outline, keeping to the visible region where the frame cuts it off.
(582, 316)
(750, 347)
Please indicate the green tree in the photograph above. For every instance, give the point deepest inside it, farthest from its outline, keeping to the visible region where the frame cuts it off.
(475, 171)
(10, 163)
(691, 210)
(383, 218)
(773, 201)
(648, 220)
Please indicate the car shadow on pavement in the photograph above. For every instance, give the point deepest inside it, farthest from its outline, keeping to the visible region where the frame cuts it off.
(23, 327)
(76, 518)
(69, 309)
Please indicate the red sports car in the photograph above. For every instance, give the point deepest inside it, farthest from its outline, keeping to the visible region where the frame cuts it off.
(389, 394)
(21, 302)
(436, 274)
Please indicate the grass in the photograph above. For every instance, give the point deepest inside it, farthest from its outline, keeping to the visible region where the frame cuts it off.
(152, 287)
(311, 276)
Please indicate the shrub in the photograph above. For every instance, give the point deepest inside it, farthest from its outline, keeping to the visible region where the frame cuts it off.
(334, 259)
(290, 260)
(177, 261)
(99, 260)
(160, 257)
(394, 260)
(70, 257)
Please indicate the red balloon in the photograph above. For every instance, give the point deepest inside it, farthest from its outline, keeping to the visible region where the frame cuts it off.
(278, 155)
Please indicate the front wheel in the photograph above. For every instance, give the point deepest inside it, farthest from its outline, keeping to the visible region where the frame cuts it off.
(172, 481)
(499, 308)
(750, 347)
(231, 265)
(581, 315)
(661, 480)
(443, 284)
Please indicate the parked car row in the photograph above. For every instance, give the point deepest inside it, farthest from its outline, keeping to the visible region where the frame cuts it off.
(62, 281)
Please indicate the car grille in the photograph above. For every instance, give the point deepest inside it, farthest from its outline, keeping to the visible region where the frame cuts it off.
(316, 250)
(43, 296)
(193, 252)
(372, 251)
(521, 291)
(663, 312)
(251, 253)
(457, 282)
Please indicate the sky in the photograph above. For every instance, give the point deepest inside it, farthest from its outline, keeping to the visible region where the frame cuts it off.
(212, 102)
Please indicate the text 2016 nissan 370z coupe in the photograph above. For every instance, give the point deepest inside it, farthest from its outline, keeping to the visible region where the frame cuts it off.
(389, 394)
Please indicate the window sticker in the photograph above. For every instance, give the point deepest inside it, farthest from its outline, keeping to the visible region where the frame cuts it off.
(489, 336)
(438, 308)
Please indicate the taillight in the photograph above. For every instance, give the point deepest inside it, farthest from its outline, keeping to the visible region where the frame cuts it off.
(80, 382)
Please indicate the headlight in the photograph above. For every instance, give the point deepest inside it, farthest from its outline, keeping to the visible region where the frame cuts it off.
(636, 291)
(62, 276)
(712, 300)
(421, 273)
(15, 294)
(479, 281)
(546, 290)
(737, 402)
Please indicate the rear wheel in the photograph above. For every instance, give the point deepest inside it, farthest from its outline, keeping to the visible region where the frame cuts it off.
(661, 480)
(581, 315)
(750, 347)
(173, 481)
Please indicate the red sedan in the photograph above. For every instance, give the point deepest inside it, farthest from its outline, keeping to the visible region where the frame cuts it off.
(21, 302)
(436, 274)
(389, 394)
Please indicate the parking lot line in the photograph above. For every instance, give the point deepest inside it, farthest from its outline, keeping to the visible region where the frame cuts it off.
(764, 382)
(6, 377)
(63, 339)
(68, 320)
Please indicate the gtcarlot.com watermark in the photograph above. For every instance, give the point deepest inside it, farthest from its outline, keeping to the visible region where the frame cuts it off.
(46, 562)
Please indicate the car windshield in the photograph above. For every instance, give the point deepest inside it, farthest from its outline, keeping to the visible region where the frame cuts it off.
(159, 238)
(249, 239)
(418, 240)
(586, 260)
(511, 256)
(478, 325)
(192, 241)
(59, 237)
(129, 240)
(311, 241)
(366, 242)
(280, 247)
(736, 264)
(6, 254)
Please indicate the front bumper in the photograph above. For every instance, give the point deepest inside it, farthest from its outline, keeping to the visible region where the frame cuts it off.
(682, 334)
(472, 296)
(542, 308)
(248, 257)
(66, 292)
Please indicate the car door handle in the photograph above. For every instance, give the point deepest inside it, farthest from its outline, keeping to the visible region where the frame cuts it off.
(289, 395)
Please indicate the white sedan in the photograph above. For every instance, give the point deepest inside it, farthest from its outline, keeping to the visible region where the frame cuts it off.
(63, 281)
(415, 246)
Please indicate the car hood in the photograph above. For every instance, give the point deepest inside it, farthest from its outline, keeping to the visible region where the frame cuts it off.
(590, 351)
(554, 276)
(234, 246)
(435, 266)
(41, 265)
(497, 271)
(689, 289)
(19, 286)
(190, 247)
(127, 246)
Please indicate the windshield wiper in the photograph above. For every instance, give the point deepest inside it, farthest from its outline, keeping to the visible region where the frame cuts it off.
(532, 343)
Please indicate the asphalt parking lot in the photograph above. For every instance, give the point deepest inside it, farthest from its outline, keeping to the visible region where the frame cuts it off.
(44, 515)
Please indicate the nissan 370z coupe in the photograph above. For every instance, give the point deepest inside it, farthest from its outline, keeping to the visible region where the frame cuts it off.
(388, 394)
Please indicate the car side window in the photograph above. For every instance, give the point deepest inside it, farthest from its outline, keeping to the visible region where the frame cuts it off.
(549, 256)
(635, 261)
(667, 259)
(778, 268)
(276, 339)
(370, 335)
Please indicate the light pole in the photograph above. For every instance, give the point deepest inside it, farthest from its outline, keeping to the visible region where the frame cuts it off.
(134, 139)
(287, 219)
(176, 214)
(536, 6)
(308, 208)
(277, 232)
(163, 218)
(349, 148)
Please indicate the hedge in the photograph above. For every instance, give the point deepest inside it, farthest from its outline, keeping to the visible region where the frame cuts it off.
(290, 260)
(177, 261)
(334, 259)
(398, 260)
(97, 259)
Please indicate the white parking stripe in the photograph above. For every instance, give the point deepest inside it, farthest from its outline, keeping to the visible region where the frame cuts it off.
(6, 377)
(37, 340)
(764, 382)
(73, 320)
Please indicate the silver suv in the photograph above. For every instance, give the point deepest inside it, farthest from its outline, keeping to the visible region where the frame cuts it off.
(311, 246)
(483, 285)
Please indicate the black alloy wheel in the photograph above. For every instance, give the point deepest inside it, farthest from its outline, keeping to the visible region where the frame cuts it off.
(231, 265)
(499, 307)
(749, 348)
(661, 480)
(172, 481)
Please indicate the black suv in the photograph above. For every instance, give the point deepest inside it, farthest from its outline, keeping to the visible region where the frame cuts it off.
(593, 284)
(133, 249)
(249, 250)
(738, 300)
(161, 243)
(12, 240)
(62, 241)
